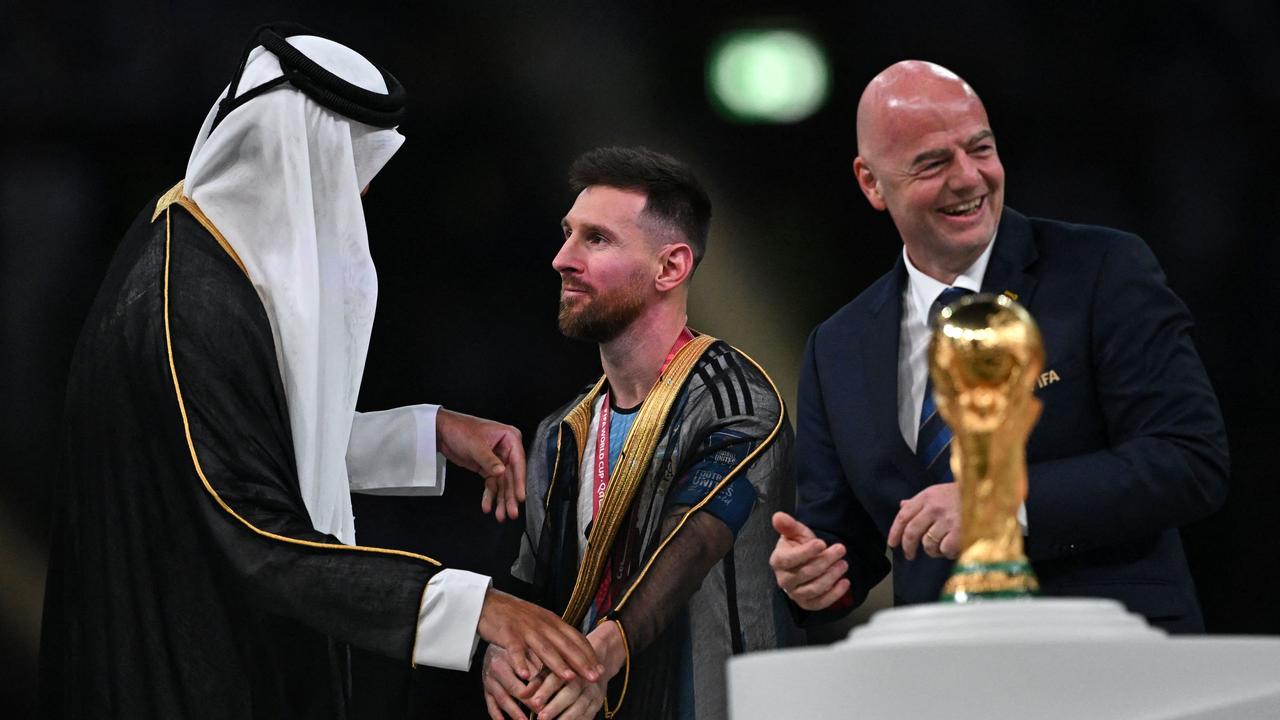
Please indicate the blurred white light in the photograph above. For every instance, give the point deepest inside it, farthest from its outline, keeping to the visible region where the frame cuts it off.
(777, 76)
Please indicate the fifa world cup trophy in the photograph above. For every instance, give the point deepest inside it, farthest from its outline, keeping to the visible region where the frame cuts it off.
(984, 359)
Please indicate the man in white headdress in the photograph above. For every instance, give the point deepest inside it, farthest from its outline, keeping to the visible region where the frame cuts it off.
(204, 560)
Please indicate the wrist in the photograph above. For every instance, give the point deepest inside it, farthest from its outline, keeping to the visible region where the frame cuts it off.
(443, 418)
(611, 650)
(490, 615)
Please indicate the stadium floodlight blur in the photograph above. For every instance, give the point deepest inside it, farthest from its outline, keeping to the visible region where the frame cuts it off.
(767, 76)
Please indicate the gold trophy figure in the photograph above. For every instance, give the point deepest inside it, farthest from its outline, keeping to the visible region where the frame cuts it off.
(984, 359)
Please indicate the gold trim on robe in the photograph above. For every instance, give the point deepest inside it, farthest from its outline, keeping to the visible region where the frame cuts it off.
(174, 196)
(173, 193)
(729, 476)
(629, 470)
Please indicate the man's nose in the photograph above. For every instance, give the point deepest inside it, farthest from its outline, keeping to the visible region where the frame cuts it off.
(964, 172)
(566, 261)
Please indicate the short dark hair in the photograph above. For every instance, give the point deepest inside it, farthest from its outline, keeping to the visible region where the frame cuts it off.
(674, 195)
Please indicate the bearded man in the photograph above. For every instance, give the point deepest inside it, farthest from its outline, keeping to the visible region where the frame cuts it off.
(649, 495)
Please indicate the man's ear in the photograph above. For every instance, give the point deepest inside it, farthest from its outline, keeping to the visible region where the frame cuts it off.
(868, 183)
(675, 264)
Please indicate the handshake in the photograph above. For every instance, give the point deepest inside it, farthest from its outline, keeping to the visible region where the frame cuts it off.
(536, 661)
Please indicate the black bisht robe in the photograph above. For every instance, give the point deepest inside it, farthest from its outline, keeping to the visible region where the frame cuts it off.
(185, 578)
(693, 592)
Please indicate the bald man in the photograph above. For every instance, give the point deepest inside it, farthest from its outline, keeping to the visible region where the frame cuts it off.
(1129, 448)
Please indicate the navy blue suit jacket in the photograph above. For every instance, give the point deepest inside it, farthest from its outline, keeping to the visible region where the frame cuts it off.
(1129, 447)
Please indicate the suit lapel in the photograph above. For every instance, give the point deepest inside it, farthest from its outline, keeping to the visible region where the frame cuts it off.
(880, 358)
(1014, 252)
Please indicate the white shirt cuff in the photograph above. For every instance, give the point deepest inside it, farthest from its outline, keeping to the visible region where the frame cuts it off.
(1022, 517)
(447, 619)
(393, 452)
(429, 471)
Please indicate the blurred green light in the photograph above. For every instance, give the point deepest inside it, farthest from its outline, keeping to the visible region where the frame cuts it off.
(777, 76)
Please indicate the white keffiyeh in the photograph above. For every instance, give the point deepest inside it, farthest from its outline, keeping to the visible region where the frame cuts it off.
(281, 177)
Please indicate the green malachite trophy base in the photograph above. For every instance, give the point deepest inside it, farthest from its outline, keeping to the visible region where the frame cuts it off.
(977, 581)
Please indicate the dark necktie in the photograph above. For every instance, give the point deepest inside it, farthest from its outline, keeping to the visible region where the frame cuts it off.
(933, 441)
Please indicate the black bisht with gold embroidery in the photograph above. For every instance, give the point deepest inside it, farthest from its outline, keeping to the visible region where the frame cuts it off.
(185, 577)
(689, 549)
(169, 596)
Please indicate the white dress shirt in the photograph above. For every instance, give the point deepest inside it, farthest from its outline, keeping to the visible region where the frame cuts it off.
(913, 336)
(913, 342)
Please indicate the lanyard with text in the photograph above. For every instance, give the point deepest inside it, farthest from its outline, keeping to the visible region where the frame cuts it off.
(602, 471)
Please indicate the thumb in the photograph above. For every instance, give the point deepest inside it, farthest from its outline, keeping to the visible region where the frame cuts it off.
(487, 463)
(790, 528)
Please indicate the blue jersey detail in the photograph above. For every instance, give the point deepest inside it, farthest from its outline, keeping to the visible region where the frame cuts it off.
(733, 503)
(619, 426)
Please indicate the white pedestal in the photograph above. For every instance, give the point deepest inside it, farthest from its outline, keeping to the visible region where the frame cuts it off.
(1035, 659)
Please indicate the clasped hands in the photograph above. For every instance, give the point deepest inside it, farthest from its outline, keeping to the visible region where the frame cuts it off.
(533, 655)
(513, 679)
(812, 573)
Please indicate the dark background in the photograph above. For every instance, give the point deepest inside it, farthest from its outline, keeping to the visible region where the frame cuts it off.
(1156, 118)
